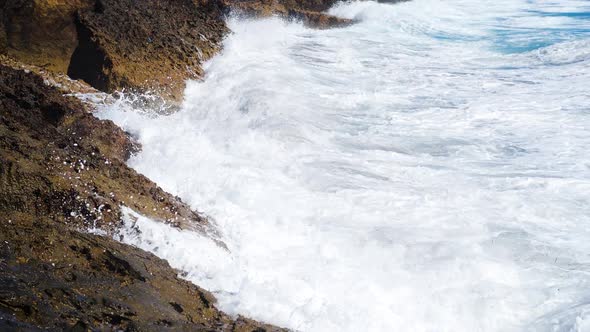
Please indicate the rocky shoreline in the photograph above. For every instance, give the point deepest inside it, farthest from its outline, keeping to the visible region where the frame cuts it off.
(139, 46)
(63, 171)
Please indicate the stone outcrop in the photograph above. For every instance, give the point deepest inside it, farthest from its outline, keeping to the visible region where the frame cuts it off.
(62, 171)
(146, 45)
(59, 162)
(57, 279)
(56, 79)
(138, 46)
(40, 32)
(115, 44)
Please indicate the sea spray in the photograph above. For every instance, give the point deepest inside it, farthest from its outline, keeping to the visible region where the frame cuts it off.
(425, 169)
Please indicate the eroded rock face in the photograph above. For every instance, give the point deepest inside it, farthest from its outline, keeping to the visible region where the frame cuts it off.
(40, 32)
(54, 278)
(59, 162)
(146, 45)
(140, 46)
(115, 44)
(62, 171)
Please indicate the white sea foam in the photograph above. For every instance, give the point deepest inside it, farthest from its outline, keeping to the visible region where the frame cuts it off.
(426, 169)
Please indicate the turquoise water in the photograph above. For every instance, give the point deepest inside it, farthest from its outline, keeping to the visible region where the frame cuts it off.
(540, 33)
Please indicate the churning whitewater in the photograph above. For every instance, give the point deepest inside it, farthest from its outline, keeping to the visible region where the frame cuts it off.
(426, 169)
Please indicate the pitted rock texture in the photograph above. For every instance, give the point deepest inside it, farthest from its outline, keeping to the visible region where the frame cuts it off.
(138, 46)
(146, 45)
(62, 171)
(113, 45)
(59, 162)
(40, 32)
(53, 278)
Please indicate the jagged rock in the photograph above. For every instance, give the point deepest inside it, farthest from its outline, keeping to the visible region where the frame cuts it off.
(59, 162)
(60, 81)
(115, 44)
(139, 46)
(40, 32)
(61, 171)
(57, 279)
(146, 45)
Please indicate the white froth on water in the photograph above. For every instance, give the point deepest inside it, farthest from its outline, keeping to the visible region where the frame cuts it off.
(426, 169)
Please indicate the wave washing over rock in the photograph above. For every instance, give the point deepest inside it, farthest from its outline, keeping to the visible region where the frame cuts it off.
(425, 169)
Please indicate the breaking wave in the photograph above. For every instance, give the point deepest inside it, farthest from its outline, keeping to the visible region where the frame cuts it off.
(425, 169)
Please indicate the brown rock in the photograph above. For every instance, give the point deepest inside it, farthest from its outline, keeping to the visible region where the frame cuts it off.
(59, 162)
(61, 171)
(115, 44)
(58, 80)
(141, 46)
(54, 278)
(3, 38)
(310, 5)
(40, 32)
(146, 45)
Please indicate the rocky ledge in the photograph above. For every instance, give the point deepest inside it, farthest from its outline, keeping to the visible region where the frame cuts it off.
(54, 278)
(60, 162)
(138, 46)
(63, 171)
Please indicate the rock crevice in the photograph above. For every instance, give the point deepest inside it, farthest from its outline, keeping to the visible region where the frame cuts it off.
(138, 46)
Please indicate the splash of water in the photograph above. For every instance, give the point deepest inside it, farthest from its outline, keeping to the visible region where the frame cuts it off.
(423, 170)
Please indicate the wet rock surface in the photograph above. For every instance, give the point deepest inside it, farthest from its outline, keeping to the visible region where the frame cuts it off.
(310, 12)
(58, 161)
(146, 45)
(62, 171)
(55, 278)
(115, 44)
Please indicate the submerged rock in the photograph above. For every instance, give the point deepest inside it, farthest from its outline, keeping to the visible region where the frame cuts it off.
(310, 12)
